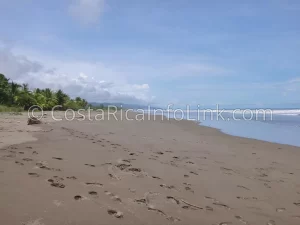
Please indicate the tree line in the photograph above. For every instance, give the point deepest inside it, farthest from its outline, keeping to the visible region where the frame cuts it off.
(13, 94)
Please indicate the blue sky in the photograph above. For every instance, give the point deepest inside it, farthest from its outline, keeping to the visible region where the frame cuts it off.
(158, 52)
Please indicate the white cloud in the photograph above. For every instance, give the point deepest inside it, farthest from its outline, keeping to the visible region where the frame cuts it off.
(87, 11)
(17, 65)
(87, 80)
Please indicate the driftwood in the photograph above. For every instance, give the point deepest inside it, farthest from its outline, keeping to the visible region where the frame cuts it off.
(33, 120)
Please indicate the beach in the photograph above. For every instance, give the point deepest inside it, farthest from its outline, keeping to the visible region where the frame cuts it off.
(155, 171)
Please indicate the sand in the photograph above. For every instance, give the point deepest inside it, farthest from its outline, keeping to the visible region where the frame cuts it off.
(142, 172)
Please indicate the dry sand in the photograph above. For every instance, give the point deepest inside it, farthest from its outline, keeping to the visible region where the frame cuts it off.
(142, 172)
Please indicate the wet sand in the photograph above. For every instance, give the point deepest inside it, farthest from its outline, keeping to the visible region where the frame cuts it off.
(142, 172)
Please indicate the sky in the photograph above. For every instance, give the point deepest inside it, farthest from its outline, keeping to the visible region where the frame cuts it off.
(181, 52)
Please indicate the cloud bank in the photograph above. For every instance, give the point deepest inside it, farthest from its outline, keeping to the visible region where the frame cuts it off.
(74, 82)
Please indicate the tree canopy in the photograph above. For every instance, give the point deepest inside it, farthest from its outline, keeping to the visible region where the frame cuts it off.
(14, 94)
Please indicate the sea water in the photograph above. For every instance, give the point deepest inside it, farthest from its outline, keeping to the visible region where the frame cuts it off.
(280, 126)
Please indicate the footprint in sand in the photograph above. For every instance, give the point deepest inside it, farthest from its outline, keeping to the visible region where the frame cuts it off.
(77, 197)
(192, 172)
(27, 159)
(123, 166)
(141, 201)
(90, 165)
(19, 163)
(134, 170)
(155, 177)
(33, 174)
(159, 153)
(96, 184)
(56, 183)
(41, 165)
(167, 186)
(57, 158)
(189, 189)
(128, 160)
(187, 184)
(115, 213)
(93, 193)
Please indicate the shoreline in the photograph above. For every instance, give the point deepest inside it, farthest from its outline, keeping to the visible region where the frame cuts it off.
(250, 138)
(134, 172)
(220, 131)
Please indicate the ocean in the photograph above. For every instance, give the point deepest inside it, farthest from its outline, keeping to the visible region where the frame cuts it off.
(278, 126)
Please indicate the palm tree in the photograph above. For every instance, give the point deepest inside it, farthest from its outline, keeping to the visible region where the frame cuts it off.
(78, 99)
(48, 93)
(25, 88)
(51, 99)
(24, 97)
(14, 89)
(61, 98)
(4, 90)
(37, 91)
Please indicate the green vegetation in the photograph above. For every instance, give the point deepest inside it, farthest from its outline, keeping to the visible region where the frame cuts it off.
(16, 97)
(4, 108)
